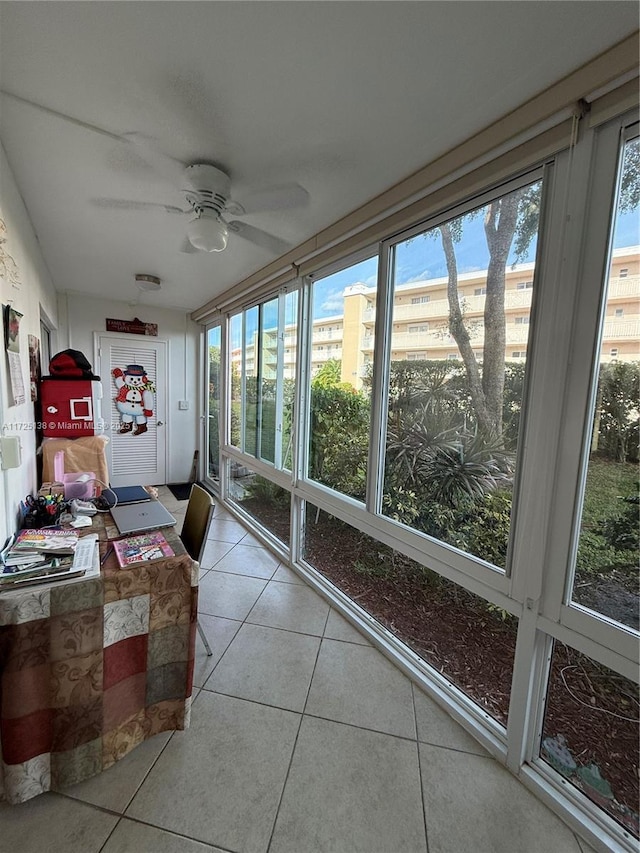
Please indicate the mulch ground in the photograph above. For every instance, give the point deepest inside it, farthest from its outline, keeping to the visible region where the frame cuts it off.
(473, 645)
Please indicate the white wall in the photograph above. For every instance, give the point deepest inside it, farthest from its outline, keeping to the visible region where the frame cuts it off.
(81, 316)
(75, 318)
(34, 292)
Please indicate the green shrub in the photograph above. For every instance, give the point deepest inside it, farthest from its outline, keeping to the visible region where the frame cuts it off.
(485, 528)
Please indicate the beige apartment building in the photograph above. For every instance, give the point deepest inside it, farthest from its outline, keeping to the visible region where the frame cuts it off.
(420, 322)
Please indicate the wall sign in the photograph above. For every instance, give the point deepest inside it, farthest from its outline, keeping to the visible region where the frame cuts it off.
(132, 327)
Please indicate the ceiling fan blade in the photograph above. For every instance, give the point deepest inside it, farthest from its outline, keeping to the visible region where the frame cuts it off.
(169, 167)
(126, 204)
(259, 237)
(69, 119)
(284, 197)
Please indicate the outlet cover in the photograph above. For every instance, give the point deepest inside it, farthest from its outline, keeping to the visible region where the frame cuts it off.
(183, 405)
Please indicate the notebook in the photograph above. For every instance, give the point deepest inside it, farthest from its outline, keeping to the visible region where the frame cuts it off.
(127, 494)
(136, 518)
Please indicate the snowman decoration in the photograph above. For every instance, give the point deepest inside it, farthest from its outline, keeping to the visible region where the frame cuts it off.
(134, 400)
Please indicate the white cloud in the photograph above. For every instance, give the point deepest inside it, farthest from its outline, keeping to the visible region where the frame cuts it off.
(333, 302)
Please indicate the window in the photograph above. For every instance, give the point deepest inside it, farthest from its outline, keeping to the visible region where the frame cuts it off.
(339, 399)
(261, 391)
(521, 321)
(518, 354)
(606, 573)
(441, 477)
(623, 272)
(416, 356)
(417, 300)
(417, 329)
(479, 291)
(524, 285)
(619, 312)
(213, 400)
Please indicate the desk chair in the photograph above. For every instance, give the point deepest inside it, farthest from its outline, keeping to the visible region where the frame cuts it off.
(194, 530)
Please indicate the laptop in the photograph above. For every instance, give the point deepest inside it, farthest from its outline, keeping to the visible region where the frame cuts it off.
(126, 495)
(138, 517)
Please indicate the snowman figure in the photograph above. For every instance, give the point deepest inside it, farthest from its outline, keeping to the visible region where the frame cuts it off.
(134, 400)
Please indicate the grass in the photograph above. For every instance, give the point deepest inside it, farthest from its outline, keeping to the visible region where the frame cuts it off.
(607, 482)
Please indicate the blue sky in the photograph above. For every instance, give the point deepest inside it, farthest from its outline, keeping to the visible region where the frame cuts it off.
(423, 258)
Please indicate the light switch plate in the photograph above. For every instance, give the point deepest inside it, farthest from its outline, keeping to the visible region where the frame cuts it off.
(183, 405)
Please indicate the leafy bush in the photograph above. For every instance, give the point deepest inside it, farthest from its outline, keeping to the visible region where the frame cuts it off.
(269, 492)
(486, 528)
(595, 556)
(339, 433)
(622, 531)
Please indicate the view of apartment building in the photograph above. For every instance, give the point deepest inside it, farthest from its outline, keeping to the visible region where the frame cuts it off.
(420, 322)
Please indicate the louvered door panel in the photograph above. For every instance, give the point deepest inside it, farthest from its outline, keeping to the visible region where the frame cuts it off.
(135, 458)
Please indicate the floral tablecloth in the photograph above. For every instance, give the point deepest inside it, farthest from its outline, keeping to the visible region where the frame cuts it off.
(90, 669)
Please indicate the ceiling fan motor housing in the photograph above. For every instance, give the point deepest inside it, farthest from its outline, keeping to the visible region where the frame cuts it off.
(207, 188)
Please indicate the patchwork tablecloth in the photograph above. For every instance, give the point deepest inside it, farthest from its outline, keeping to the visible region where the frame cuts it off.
(90, 669)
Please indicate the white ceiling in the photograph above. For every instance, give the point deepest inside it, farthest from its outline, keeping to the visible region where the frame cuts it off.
(343, 98)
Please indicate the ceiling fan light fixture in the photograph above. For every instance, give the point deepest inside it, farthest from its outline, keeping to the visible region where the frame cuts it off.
(147, 282)
(208, 233)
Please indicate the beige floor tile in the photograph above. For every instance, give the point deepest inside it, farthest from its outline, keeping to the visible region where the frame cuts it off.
(52, 823)
(221, 780)
(339, 629)
(229, 596)
(226, 530)
(350, 791)
(267, 665)
(213, 552)
(114, 788)
(245, 560)
(285, 575)
(251, 540)
(219, 633)
(472, 800)
(292, 607)
(132, 837)
(358, 685)
(436, 727)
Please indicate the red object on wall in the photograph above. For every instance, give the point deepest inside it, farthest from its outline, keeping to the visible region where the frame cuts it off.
(70, 407)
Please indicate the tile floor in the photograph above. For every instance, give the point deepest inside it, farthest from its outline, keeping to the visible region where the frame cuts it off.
(303, 739)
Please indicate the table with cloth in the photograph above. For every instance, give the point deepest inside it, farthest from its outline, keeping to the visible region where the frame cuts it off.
(92, 667)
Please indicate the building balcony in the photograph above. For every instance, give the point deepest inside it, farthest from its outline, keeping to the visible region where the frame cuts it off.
(623, 330)
(624, 288)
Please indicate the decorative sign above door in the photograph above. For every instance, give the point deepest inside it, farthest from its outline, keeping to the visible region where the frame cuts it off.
(132, 327)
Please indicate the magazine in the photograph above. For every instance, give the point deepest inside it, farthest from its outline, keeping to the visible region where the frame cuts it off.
(145, 546)
(45, 541)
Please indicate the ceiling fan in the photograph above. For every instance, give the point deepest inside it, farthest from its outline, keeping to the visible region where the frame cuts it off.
(207, 194)
(206, 190)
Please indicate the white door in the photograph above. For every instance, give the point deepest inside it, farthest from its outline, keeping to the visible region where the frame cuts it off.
(137, 449)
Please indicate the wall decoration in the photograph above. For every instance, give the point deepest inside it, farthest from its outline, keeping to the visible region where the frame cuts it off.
(132, 327)
(12, 345)
(8, 267)
(35, 371)
(135, 399)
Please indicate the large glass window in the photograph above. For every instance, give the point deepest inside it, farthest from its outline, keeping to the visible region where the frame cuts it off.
(213, 401)
(466, 639)
(590, 732)
(262, 371)
(606, 577)
(455, 390)
(262, 499)
(341, 365)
